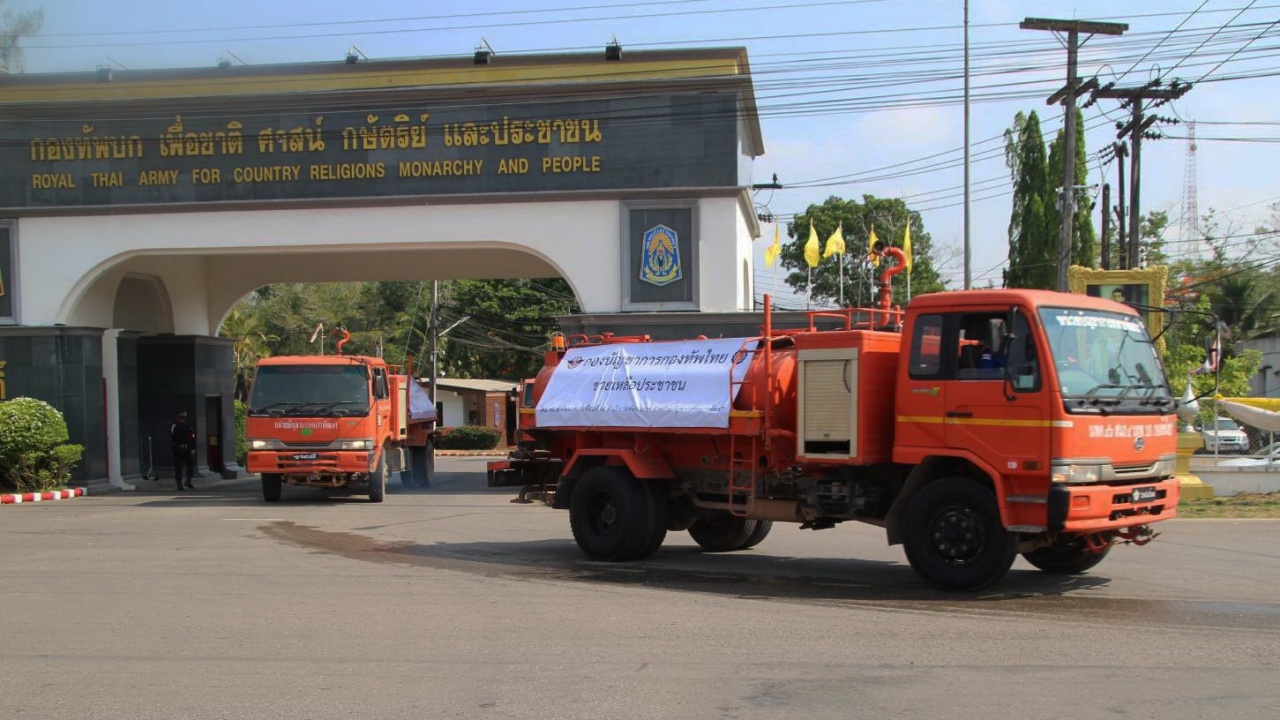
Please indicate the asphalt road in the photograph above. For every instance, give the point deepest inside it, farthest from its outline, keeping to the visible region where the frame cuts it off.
(455, 603)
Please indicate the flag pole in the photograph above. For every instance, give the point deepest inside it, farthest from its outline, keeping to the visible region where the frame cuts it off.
(841, 279)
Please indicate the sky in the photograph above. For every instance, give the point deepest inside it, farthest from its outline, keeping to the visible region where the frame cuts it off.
(855, 96)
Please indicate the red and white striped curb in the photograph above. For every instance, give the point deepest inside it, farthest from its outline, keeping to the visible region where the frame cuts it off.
(41, 497)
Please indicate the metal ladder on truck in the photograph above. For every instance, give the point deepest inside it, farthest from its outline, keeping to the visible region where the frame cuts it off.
(744, 449)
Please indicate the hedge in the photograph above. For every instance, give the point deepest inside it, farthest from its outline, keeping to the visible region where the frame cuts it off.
(34, 453)
(468, 437)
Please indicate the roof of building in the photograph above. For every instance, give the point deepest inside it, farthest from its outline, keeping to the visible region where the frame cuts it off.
(473, 384)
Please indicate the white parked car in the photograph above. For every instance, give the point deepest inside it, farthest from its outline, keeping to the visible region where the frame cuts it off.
(1226, 437)
(1267, 459)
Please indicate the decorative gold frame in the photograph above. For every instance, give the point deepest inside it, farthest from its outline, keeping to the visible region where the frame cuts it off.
(1155, 278)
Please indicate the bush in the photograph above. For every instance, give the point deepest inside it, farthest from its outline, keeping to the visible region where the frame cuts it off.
(468, 437)
(242, 448)
(34, 453)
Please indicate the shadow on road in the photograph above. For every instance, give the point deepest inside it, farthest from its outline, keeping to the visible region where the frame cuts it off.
(749, 574)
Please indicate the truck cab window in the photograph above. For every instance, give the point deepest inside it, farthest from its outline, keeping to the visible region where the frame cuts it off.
(980, 351)
(926, 347)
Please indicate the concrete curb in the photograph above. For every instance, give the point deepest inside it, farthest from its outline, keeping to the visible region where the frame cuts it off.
(471, 453)
(17, 499)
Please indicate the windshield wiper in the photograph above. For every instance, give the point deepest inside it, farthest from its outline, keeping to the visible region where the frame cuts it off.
(1093, 398)
(327, 406)
(280, 406)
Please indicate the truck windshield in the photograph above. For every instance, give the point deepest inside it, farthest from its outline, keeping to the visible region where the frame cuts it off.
(1104, 359)
(310, 390)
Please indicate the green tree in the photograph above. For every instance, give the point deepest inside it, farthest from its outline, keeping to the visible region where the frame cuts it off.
(1032, 243)
(889, 218)
(251, 345)
(1151, 242)
(14, 27)
(1084, 240)
(508, 321)
(508, 326)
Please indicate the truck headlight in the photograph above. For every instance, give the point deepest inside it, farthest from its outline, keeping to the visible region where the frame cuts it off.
(259, 444)
(1075, 473)
(1166, 466)
(361, 444)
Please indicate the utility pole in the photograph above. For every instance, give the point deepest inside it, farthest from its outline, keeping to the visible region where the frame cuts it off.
(1122, 248)
(1067, 97)
(1136, 129)
(434, 332)
(1106, 226)
(968, 273)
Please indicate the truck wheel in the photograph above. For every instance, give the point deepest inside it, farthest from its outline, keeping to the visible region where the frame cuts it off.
(723, 533)
(1065, 557)
(611, 515)
(378, 478)
(658, 519)
(954, 539)
(758, 535)
(271, 485)
(422, 464)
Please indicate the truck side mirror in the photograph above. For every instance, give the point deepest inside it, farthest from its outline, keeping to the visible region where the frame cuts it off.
(380, 387)
(1010, 322)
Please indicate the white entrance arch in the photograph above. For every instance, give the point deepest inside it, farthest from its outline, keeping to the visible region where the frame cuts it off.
(140, 207)
(207, 261)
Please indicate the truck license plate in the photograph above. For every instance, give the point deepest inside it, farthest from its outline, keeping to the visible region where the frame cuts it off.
(1144, 494)
(313, 456)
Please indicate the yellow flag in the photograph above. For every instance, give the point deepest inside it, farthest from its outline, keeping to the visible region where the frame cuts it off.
(906, 246)
(811, 247)
(772, 252)
(871, 247)
(835, 243)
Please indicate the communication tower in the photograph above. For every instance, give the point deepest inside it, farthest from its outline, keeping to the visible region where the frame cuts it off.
(1189, 225)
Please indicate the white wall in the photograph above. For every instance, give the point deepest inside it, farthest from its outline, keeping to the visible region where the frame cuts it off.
(449, 404)
(724, 243)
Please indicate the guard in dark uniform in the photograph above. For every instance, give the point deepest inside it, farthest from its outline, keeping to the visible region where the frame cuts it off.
(182, 437)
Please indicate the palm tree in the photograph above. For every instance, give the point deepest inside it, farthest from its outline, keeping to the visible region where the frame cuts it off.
(250, 346)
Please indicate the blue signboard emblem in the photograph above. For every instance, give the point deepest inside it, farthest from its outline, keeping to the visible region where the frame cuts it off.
(660, 256)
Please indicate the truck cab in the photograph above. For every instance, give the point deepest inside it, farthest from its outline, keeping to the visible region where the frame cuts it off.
(1063, 405)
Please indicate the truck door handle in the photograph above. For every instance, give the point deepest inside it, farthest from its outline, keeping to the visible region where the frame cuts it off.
(959, 414)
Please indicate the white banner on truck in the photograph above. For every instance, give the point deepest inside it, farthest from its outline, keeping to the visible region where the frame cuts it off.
(661, 384)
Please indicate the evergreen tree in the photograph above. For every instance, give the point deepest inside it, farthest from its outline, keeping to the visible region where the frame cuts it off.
(1032, 243)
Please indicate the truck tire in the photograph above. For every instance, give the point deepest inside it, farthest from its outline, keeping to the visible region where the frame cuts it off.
(722, 533)
(422, 463)
(1065, 557)
(758, 535)
(658, 518)
(378, 478)
(271, 486)
(611, 515)
(954, 538)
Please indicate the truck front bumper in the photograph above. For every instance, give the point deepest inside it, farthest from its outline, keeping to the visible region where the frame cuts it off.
(1099, 508)
(324, 462)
